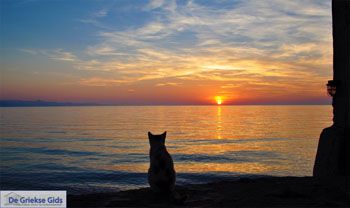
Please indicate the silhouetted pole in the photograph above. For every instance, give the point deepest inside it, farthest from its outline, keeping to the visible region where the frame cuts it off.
(332, 157)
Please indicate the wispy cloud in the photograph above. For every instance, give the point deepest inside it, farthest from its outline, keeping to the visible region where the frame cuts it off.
(56, 54)
(29, 51)
(168, 84)
(96, 18)
(101, 82)
(61, 55)
(101, 13)
(154, 4)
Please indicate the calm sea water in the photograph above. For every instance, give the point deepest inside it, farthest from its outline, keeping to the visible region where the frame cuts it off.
(89, 149)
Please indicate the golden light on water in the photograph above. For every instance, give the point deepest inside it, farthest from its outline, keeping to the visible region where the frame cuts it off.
(218, 100)
(220, 136)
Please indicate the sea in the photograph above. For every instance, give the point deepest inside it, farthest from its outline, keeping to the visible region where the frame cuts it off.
(105, 148)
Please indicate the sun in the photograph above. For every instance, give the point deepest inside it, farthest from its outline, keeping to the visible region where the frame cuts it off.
(218, 100)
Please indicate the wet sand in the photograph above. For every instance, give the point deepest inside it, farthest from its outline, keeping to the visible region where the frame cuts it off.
(245, 192)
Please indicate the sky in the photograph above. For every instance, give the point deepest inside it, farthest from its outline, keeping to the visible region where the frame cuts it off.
(162, 52)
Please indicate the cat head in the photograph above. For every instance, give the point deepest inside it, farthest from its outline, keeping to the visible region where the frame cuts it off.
(155, 140)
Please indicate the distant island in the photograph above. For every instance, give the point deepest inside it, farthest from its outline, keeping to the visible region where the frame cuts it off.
(40, 103)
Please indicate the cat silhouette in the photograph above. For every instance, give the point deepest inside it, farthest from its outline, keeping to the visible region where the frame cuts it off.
(161, 173)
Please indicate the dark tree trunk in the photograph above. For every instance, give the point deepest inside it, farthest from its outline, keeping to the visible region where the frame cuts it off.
(332, 157)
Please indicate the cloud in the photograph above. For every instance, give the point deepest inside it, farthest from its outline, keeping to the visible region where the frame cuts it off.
(168, 84)
(101, 13)
(95, 18)
(56, 54)
(154, 4)
(61, 55)
(101, 82)
(104, 50)
(29, 51)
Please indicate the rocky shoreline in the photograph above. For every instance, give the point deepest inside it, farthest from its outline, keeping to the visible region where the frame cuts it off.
(244, 192)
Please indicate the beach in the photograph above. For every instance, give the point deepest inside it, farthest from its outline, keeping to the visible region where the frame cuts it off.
(245, 192)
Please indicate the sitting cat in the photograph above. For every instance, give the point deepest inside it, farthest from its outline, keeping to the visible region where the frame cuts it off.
(161, 173)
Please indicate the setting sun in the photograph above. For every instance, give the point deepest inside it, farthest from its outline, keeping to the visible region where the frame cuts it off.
(218, 100)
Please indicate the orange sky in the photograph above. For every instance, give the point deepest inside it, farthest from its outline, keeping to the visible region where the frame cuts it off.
(247, 52)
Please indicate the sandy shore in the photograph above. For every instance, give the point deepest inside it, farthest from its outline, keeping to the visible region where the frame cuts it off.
(260, 192)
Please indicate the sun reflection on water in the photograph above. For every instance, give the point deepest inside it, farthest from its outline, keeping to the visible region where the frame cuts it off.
(218, 123)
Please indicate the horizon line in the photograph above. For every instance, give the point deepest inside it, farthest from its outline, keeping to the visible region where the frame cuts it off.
(43, 103)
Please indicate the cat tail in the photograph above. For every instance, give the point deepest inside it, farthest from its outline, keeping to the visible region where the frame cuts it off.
(177, 198)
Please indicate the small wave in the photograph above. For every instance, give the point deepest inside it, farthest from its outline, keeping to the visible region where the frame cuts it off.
(231, 157)
(224, 141)
(56, 132)
(67, 176)
(37, 150)
(44, 140)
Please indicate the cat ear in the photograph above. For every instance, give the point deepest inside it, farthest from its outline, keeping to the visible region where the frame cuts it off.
(150, 134)
(162, 137)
